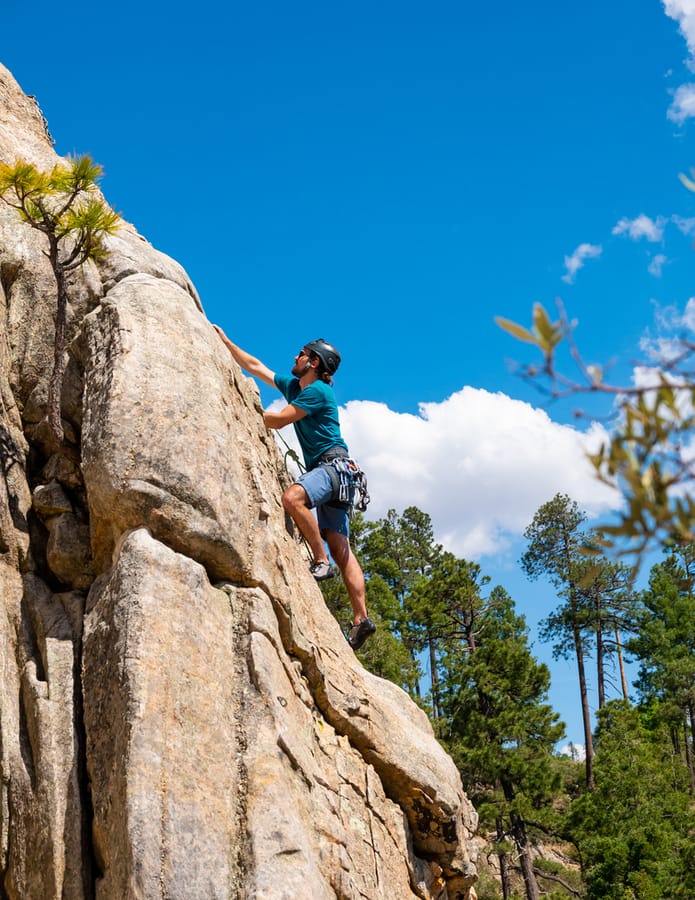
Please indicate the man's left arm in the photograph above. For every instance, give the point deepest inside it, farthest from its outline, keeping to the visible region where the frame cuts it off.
(286, 416)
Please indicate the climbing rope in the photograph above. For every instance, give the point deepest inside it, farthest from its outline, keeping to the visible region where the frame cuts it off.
(292, 454)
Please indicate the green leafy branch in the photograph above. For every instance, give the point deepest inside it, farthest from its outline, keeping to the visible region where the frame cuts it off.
(648, 456)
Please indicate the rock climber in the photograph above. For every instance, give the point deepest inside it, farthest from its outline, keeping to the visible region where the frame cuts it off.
(327, 485)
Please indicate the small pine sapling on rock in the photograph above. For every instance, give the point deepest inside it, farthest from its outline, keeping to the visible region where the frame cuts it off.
(63, 206)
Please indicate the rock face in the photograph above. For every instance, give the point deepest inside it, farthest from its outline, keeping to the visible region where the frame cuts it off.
(180, 715)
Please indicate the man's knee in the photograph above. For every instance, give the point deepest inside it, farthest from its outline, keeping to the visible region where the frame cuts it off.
(295, 497)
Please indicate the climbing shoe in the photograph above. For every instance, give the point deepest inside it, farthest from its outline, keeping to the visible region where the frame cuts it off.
(359, 633)
(322, 570)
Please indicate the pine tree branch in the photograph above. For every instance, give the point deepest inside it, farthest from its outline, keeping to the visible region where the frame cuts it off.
(539, 873)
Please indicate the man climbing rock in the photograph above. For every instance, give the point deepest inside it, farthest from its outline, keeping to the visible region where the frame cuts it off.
(328, 484)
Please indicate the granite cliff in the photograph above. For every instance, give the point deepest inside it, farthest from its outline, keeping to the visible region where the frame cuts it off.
(180, 715)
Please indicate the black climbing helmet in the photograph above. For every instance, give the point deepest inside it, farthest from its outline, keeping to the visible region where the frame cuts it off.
(327, 353)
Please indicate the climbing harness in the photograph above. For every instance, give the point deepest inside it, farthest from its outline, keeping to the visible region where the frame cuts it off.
(351, 482)
(344, 472)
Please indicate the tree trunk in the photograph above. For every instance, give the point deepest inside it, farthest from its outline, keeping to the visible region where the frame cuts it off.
(676, 740)
(621, 663)
(55, 385)
(470, 637)
(690, 721)
(436, 707)
(586, 715)
(521, 841)
(505, 875)
(415, 686)
(579, 650)
(600, 673)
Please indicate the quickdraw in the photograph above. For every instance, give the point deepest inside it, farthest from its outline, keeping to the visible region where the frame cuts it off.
(351, 477)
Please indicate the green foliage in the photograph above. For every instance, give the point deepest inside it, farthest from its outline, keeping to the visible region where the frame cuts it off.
(570, 771)
(396, 552)
(634, 831)
(445, 610)
(501, 729)
(597, 600)
(555, 543)
(487, 887)
(556, 540)
(446, 604)
(62, 205)
(384, 654)
(544, 333)
(400, 549)
(601, 602)
(489, 698)
(665, 643)
(644, 459)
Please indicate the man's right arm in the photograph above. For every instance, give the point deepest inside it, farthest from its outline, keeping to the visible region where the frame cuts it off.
(247, 362)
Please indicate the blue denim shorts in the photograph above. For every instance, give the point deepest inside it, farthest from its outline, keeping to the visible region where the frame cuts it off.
(319, 489)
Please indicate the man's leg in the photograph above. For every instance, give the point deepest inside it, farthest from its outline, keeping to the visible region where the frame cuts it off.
(345, 559)
(296, 502)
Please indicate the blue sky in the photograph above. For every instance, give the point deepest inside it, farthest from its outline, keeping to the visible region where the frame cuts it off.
(391, 176)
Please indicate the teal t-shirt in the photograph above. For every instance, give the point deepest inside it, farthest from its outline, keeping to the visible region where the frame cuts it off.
(319, 430)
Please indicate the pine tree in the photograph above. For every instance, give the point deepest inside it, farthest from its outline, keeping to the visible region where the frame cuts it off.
(665, 647)
(61, 205)
(605, 589)
(634, 830)
(384, 654)
(556, 540)
(445, 607)
(401, 550)
(501, 729)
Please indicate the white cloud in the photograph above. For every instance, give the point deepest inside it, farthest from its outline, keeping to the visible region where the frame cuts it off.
(683, 11)
(683, 104)
(686, 225)
(575, 262)
(656, 265)
(669, 322)
(641, 227)
(689, 314)
(479, 464)
(646, 377)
